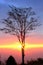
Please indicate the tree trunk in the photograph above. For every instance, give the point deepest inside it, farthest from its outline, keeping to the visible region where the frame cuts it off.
(22, 56)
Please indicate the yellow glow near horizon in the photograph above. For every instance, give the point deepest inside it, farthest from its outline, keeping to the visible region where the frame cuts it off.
(34, 46)
(18, 46)
(12, 46)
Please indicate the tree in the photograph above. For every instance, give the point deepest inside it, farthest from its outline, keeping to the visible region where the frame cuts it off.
(19, 22)
(11, 61)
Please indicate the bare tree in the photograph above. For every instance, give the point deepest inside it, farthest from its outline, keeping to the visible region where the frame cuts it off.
(20, 21)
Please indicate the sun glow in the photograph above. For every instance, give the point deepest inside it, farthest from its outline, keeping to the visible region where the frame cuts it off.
(18, 46)
(33, 46)
(12, 46)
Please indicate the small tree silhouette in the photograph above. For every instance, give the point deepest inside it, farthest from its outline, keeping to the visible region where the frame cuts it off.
(11, 61)
(19, 22)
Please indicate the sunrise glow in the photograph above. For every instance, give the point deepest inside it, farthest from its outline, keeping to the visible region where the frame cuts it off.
(18, 46)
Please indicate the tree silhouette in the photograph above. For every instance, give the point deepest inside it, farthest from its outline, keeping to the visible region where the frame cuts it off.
(11, 61)
(39, 61)
(20, 21)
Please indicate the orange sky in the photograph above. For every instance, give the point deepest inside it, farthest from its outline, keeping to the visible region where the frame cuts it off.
(30, 54)
(9, 45)
(31, 39)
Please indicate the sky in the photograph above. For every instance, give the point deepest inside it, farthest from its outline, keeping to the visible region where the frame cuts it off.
(34, 38)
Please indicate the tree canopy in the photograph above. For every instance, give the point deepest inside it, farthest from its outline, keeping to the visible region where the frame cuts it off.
(20, 21)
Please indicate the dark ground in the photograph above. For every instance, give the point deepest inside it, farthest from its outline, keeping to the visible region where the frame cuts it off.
(12, 61)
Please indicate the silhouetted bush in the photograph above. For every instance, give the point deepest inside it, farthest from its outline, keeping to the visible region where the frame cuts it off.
(11, 61)
(39, 61)
(0, 62)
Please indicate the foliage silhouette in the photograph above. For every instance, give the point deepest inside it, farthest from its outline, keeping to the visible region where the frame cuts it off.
(11, 61)
(39, 61)
(0, 62)
(20, 22)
